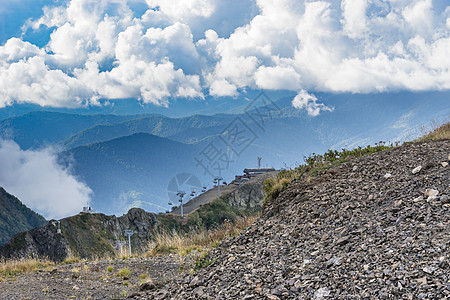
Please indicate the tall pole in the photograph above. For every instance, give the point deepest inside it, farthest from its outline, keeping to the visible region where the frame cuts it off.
(129, 243)
(218, 179)
(129, 233)
(181, 195)
(181, 200)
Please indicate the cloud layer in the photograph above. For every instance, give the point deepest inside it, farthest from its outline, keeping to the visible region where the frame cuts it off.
(189, 49)
(39, 182)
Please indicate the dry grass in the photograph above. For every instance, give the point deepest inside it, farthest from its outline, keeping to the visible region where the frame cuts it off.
(71, 259)
(175, 242)
(12, 268)
(440, 132)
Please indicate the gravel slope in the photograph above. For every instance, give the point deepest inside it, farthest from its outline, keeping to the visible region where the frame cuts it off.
(367, 229)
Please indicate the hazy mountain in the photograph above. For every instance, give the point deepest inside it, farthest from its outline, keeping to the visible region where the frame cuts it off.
(42, 128)
(132, 170)
(356, 119)
(15, 217)
(157, 125)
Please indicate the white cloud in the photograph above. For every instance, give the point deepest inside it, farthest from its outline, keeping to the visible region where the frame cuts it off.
(307, 101)
(277, 78)
(354, 17)
(40, 183)
(184, 9)
(186, 48)
(31, 80)
(220, 88)
(419, 16)
(15, 50)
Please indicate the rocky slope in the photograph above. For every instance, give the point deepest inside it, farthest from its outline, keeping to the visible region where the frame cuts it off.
(84, 235)
(373, 228)
(15, 217)
(247, 197)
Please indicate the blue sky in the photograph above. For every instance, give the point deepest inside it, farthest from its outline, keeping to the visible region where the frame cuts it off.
(72, 53)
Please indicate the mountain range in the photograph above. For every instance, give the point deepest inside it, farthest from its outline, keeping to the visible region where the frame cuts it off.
(129, 160)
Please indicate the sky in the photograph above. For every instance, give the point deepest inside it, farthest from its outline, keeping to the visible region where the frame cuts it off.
(72, 53)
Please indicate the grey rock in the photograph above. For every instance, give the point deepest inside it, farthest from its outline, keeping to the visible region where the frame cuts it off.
(417, 169)
(322, 293)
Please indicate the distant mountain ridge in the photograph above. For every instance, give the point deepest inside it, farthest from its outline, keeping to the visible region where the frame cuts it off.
(44, 128)
(15, 217)
(131, 169)
(156, 124)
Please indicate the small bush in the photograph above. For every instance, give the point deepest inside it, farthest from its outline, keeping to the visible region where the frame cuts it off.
(203, 261)
(273, 187)
(123, 273)
(110, 269)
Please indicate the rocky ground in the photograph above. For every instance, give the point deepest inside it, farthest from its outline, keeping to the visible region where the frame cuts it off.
(373, 228)
(93, 280)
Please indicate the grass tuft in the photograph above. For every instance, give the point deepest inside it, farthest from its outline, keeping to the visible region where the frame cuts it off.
(71, 260)
(440, 132)
(123, 273)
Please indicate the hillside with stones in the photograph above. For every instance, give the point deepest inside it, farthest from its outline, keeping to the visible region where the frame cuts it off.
(375, 227)
(84, 235)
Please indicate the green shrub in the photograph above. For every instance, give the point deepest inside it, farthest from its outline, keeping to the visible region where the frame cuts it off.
(123, 273)
(202, 261)
(212, 215)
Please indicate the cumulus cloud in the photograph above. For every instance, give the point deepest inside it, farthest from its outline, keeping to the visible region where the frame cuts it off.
(354, 17)
(307, 101)
(187, 49)
(40, 183)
